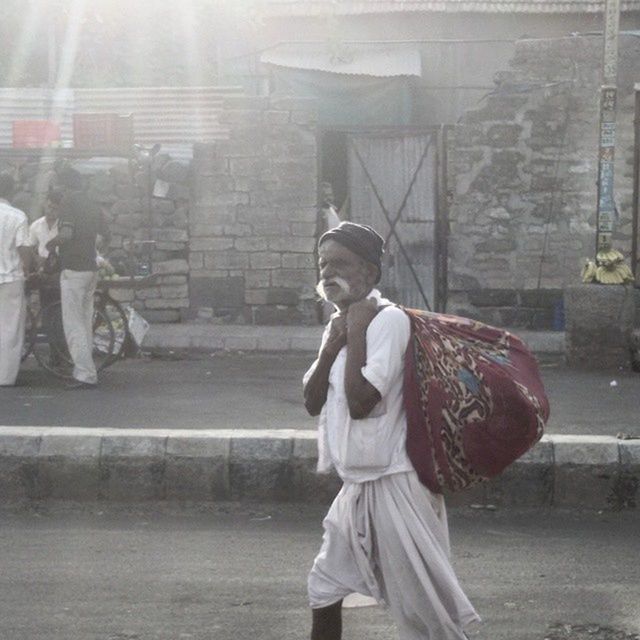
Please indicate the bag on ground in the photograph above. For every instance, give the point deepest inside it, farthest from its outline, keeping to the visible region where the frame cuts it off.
(138, 326)
(473, 397)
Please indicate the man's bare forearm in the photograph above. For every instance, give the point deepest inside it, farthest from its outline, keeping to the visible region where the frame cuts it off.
(317, 386)
(362, 396)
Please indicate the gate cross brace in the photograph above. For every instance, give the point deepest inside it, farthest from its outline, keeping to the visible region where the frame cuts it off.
(387, 215)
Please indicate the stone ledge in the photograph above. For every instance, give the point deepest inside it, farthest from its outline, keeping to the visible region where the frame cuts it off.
(135, 465)
(266, 338)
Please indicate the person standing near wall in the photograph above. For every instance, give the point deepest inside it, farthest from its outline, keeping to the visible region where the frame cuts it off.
(15, 263)
(81, 224)
(329, 217)
(47, 262)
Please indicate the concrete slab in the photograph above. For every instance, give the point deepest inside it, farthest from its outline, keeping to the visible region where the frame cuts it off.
(582, 450)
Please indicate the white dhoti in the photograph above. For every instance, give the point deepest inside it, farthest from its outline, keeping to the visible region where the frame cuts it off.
(388, 539)
(76, 294)
(12, 324)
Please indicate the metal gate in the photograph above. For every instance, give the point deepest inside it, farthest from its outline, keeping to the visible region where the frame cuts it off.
(394, 186)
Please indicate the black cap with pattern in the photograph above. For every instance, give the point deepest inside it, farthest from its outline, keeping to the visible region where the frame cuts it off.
(359, 238)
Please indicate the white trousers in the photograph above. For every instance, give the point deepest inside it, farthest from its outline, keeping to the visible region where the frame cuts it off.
(13, 312)
(76, 294)
(388, 539)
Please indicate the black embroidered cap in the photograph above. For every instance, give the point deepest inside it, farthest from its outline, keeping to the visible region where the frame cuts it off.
(359, 238)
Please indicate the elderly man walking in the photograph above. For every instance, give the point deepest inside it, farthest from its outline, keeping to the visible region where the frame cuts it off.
(385, 535)
(15, 259)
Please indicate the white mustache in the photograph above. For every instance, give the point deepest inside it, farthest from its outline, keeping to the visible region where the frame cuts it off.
(340, 282)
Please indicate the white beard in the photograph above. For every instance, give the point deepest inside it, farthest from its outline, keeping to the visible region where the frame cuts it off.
(345, 290)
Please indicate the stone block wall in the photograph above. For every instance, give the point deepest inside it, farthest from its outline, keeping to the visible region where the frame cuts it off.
(234, 230)
(252, 223)
(522, 174)
(120, 189)
(136, 215)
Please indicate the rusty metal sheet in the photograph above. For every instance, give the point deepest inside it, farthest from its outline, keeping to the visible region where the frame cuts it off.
(171, 115)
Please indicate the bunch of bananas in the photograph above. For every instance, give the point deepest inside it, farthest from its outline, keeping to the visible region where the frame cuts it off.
(609, 268)
(105, 269)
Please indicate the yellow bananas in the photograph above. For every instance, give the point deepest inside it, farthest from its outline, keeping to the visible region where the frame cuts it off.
(609, 268)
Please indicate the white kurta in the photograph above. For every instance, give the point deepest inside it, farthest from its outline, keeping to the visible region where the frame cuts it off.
(14, 233)
(385, 535)
(40, 233)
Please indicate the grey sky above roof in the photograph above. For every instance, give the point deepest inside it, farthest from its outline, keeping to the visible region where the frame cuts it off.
(351, 7)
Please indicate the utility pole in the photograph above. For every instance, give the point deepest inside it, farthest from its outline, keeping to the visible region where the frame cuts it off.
(609, 267)
(606, 151)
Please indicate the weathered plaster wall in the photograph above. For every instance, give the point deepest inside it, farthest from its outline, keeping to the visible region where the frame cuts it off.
(252, 223)
(522, 173)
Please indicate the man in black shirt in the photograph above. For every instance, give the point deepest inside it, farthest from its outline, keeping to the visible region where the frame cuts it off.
(80, 224)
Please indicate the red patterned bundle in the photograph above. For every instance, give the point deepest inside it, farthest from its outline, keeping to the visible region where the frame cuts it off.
(473, 397)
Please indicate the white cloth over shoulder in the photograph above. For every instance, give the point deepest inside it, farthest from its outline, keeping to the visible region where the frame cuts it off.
(388, 539)
(369, 448)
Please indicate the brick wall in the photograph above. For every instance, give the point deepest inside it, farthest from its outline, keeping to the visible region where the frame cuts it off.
(523, 170)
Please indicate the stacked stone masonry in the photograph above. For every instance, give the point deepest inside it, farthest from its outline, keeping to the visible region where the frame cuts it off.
(122, 189)
(523, 172)
(234, 230)
(253, 220)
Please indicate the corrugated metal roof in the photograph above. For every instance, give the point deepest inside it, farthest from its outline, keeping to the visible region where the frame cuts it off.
(351, 60)
(170, 115)
(350, 7)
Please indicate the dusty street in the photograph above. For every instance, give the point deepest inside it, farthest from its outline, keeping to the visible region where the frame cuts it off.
(238, 572)
(250, 391)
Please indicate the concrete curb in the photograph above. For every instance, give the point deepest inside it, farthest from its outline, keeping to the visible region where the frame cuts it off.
(137, 465)
(286, 338)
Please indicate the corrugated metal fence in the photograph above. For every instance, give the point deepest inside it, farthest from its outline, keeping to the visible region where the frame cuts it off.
(169, 115)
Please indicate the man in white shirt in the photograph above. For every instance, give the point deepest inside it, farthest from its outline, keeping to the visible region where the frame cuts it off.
(15, 262)
(45, 228)
(41, 232)
(385, 535)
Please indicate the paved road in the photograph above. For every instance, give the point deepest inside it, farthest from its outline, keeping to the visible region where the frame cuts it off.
(264, 391)
(238, 572)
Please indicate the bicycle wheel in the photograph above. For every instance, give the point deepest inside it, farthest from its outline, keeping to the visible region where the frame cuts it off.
(112, 309)
(50, 349)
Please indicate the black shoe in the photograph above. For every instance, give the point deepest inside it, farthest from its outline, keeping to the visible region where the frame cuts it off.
(78, 384)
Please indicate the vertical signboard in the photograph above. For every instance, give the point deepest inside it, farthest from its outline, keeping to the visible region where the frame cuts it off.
(606, 151)
(606, 157)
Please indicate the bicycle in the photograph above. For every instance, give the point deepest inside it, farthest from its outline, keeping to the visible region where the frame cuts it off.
(112, 339)
(44, 337)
